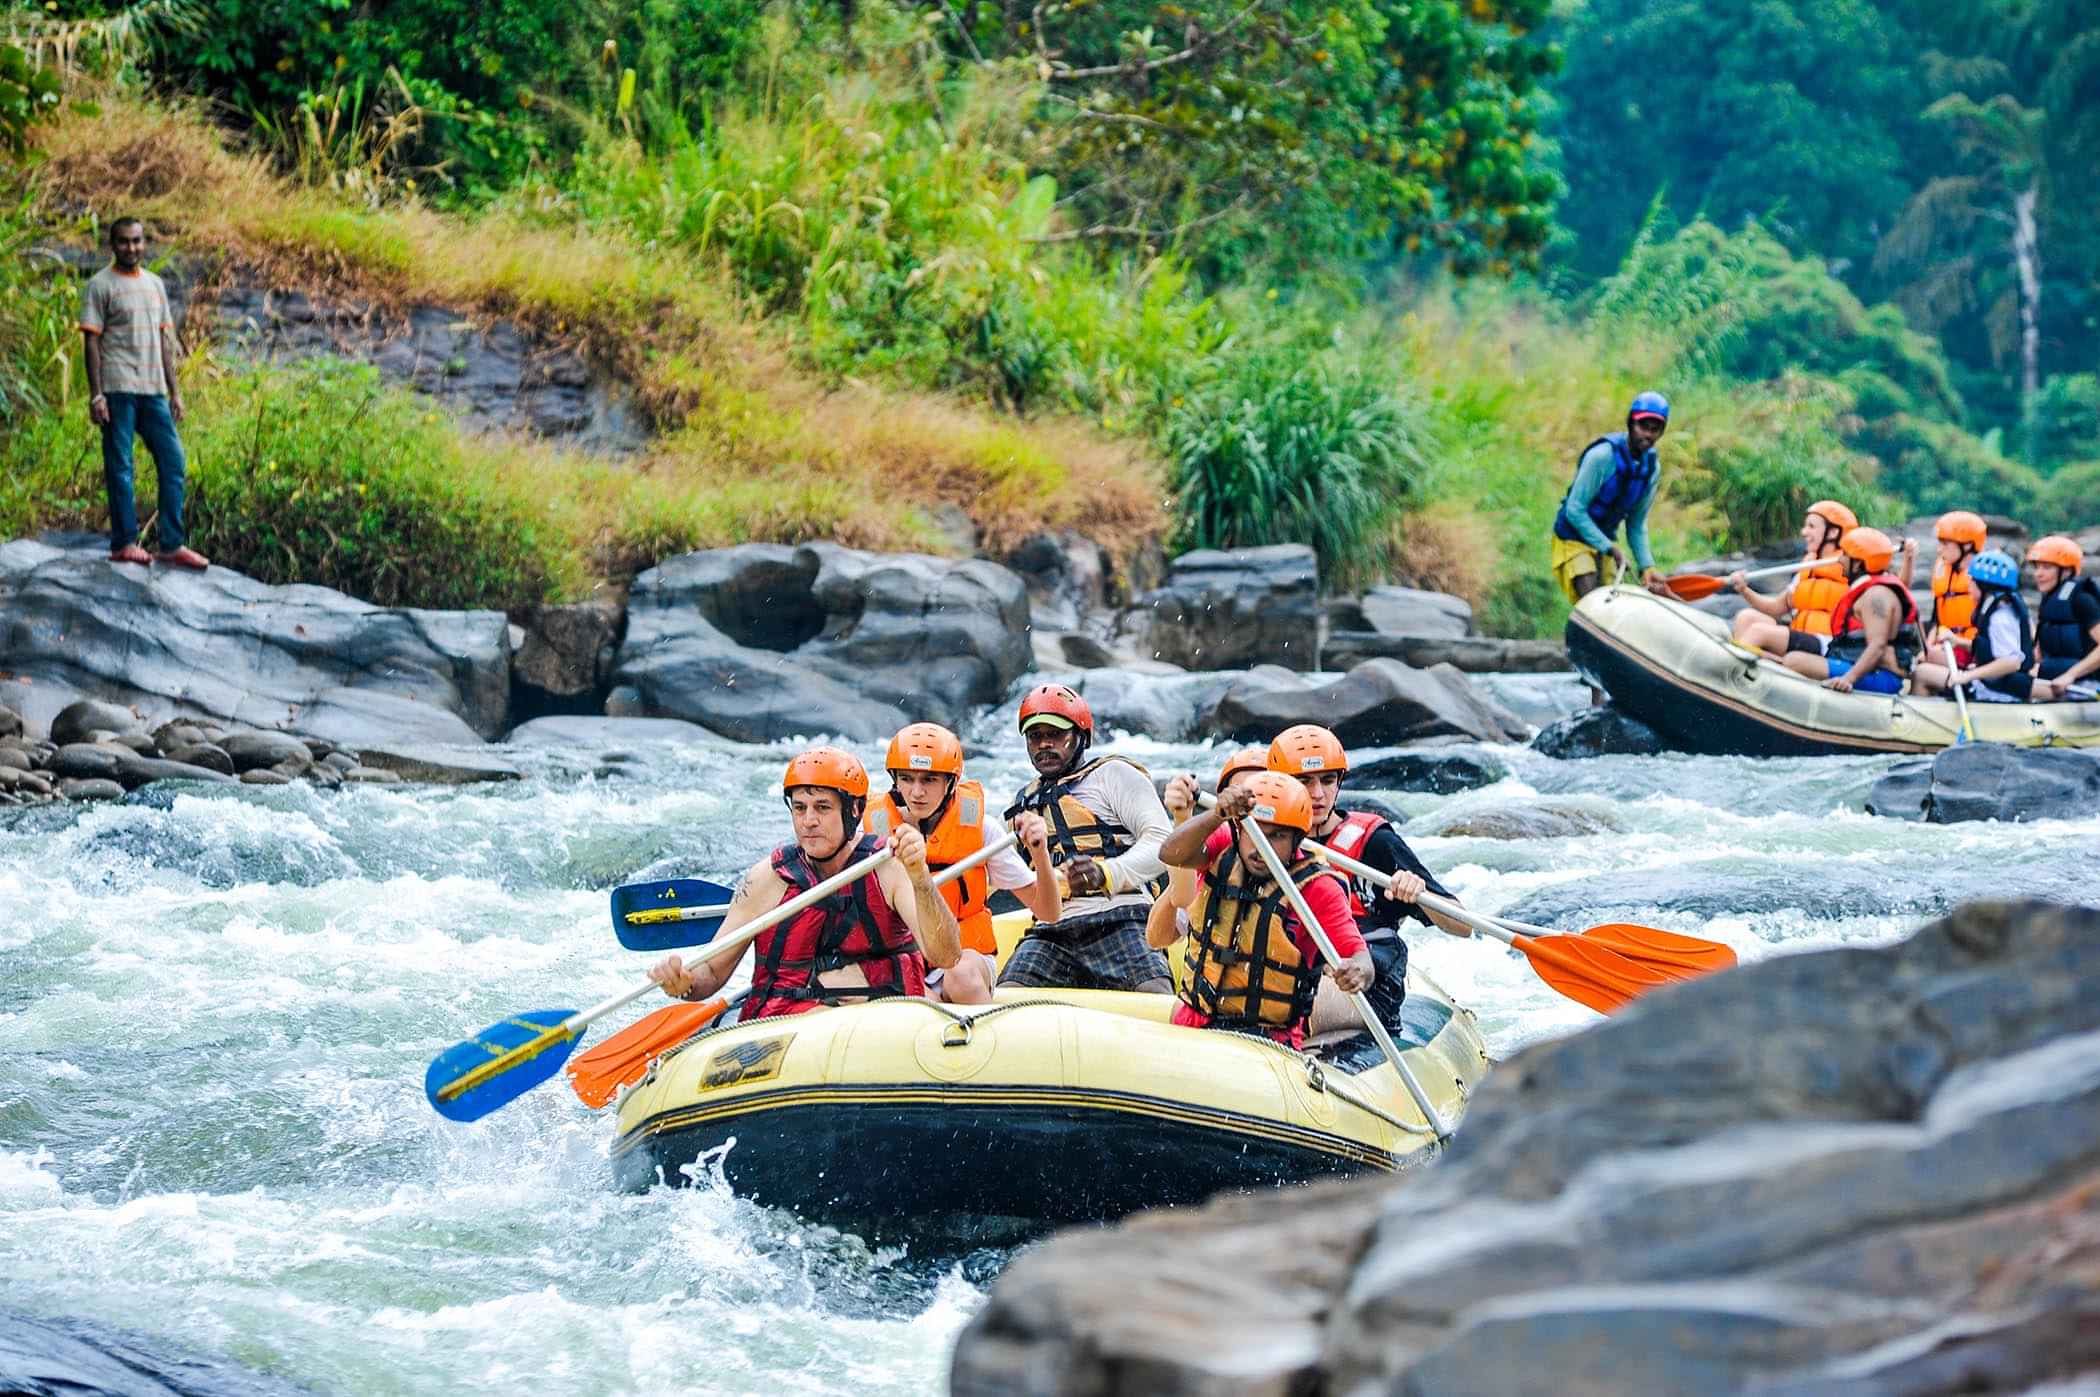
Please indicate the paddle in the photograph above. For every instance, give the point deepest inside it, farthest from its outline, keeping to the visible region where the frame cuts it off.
(669, 914)
(509, 1058)
(620, 1060)
(1586, 972)
(1649, 944)
(1697, 586)
(1961, 700)
(1362, 1002)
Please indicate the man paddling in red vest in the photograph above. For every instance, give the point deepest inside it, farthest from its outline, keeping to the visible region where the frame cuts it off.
(861, 943)
(1869, 629)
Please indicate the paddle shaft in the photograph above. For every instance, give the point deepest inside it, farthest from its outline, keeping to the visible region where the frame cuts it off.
(1362, 1002)
(1961, 701)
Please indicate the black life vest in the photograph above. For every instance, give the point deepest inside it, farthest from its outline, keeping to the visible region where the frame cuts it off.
(2019, 684)
(1075, 831)
(1627, 486)
(854, 926)
(2056, 627)
(1245, 970)
(1848, 633)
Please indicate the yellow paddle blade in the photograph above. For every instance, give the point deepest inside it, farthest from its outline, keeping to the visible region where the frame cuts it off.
(623, 1059)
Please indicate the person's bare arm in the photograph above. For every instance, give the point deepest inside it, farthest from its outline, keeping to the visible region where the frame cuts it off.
(98, 403)
(1184, 847)
(1777, 605)
(908, 885)
(1041, 897)
(1877, 611)
(757, 893)
(170, 347)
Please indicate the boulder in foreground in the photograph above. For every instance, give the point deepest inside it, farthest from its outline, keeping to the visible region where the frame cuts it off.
(1859, 1170)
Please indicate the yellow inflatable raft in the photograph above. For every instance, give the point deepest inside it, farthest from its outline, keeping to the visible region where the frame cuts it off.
(1675, 670)
(946, 1126)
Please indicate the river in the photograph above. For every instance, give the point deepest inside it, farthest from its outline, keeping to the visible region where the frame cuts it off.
(216, 1010)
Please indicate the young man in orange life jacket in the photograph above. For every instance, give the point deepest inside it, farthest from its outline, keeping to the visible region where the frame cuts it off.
(1871, 626)
(864, 941)
(1799, 617)
(1955, 599)
(928, 790)
(1252, 965)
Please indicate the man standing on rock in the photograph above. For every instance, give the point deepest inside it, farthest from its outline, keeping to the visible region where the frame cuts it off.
(1105, 824)
(129, 334)
(1614, 485)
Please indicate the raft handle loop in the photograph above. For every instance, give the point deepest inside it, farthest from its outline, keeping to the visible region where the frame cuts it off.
(958, 1032)
(1316, 1075)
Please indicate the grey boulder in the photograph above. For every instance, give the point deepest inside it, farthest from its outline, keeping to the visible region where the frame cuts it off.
(439, 766)
(1992, 781)
(764, 641)
(1598, 732)
(1392, 610)
(87, 760)
(221, 645)
(91, 788)
(1223, 609)
(134, 771)
(1378, 703)
(250, 749)
(1436, 773)
(568, 650)
(1536, 820)
(1169, 707)
(1475, 654)
(80, 720)
(1856, 1170)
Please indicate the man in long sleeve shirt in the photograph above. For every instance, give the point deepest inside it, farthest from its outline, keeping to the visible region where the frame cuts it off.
(1104, 825)
(1615, 484)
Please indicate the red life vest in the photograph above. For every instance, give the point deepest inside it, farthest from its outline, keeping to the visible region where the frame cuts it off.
(1848, 633)
(1348, 841)
(854, 926)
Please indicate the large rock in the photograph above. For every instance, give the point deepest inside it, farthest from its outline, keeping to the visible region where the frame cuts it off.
(1169, 707)
(1991, 781)
(134, 771)
(765, 641)
(1437, 773)
(219, 644)
(1598, 732)
(1393, 610)
(1379, 703)
(79, 720)
(46, 1357)
(250, 749)
(1066, 575)
(1539, 819)
(440, 766)
(1475, 654)
(568, 650)
(1225, 609)
(1857, 1170)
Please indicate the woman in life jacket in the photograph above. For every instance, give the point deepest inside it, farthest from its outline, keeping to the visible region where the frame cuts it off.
(1799, 617)
(872, 939)
(1251, 965)
(2067, 623)
(1870, 627)
(1169, 917)
(1997, 668)
(928, 789)
(1103, 823)
(1316, 757)
(1955, 599)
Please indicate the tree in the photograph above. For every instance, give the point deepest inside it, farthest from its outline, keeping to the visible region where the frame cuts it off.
(28, 94)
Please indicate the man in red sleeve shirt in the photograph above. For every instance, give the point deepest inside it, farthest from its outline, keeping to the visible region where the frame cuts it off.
(1252, 965)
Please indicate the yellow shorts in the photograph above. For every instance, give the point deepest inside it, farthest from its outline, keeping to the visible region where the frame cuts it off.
(1573, 559)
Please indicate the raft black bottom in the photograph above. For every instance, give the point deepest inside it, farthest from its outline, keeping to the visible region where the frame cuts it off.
(951, 1175)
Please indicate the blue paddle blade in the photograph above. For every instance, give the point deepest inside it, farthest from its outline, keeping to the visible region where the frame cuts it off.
(457, 1093)
(645, 916)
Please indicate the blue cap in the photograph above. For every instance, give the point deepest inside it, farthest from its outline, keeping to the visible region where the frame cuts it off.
(1650, 404)
(1995, 569)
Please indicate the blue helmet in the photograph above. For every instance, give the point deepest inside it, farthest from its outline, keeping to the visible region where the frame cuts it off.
(1995, 569)
(1649, 404)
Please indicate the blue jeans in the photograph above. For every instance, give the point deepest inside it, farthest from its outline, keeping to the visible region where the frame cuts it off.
(133, 415)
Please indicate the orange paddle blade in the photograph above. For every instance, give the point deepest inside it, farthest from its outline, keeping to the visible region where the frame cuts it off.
(1694, 586)
(621, 1060)
(1662, 950)
(1589, 973)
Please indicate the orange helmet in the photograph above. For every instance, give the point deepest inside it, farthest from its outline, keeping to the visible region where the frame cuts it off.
(2057, 549)
(1059, 706)
(828, 769)
(1870, 546)
(1834, 513)
(1280, 800)
(1960, 526)
(1305, 749)
(1251, 759)
(925, 747)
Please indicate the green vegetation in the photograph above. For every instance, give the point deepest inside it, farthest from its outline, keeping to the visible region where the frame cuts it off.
(1211, 272)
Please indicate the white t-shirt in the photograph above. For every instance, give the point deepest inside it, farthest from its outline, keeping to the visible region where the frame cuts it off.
(2005, 640)
(1007, 869)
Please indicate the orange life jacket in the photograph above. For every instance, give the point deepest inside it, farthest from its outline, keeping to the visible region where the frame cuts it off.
(957, 834)
(1954, 599)
(854, 926)
(1816, 594)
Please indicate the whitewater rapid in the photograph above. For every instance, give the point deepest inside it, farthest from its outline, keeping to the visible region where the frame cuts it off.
(216, 1008)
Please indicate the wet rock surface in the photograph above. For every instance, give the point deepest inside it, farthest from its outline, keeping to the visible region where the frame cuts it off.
(492, 373)
(1223, 608)
(1847, 1171)
(1437, 773)
(1542, 819)
(764, 641)
(1378, 703)
(1473, 654)
(1598, 732)
(1991, 781)
(221, 645)
(42, 1357)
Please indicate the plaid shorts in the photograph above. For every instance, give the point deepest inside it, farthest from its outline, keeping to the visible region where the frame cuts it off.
(1106, 951)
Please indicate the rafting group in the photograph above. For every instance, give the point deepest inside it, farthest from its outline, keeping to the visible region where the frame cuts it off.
(1115, 873)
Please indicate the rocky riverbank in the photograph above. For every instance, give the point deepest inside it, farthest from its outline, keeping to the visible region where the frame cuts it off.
(1846, 1171)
